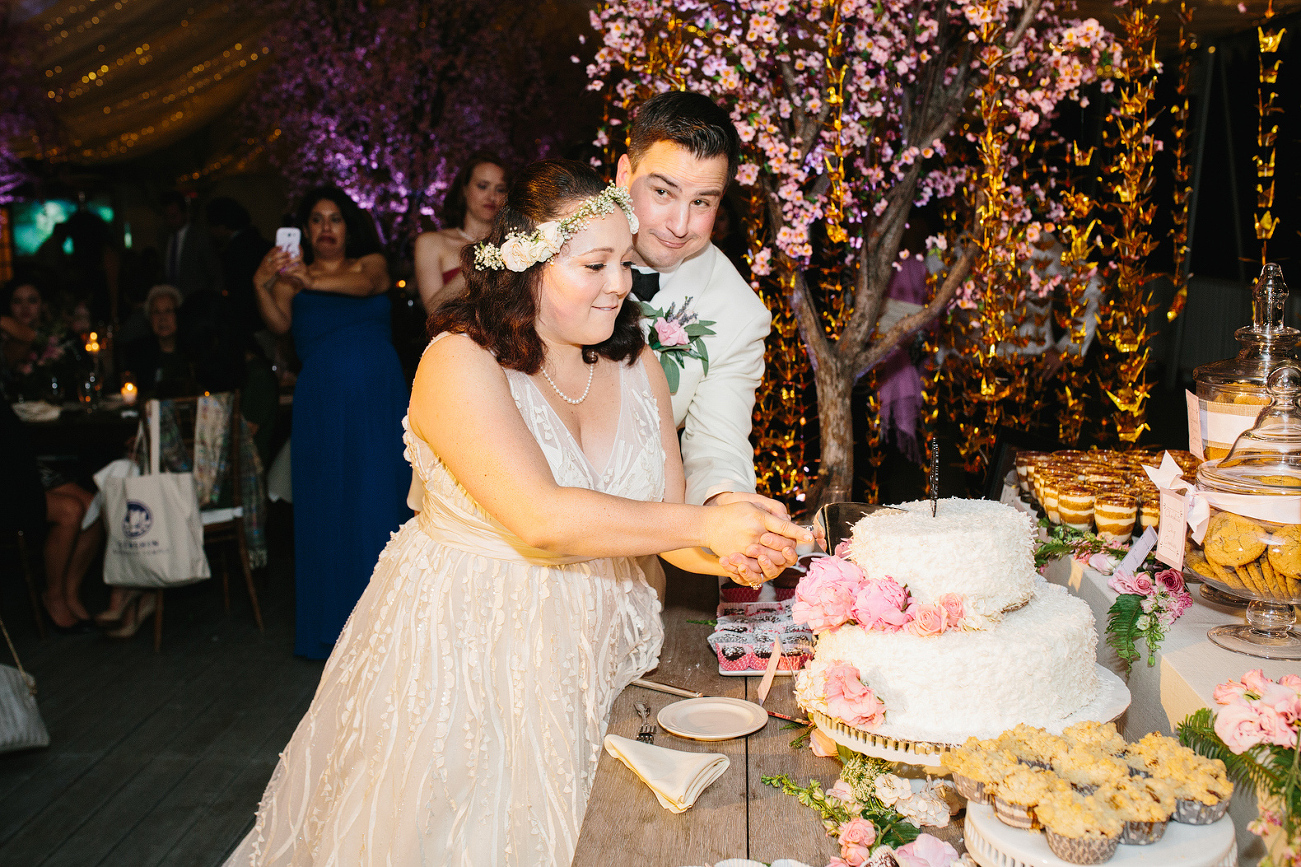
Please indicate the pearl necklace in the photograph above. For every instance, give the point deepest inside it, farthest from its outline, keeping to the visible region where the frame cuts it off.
(591, 371)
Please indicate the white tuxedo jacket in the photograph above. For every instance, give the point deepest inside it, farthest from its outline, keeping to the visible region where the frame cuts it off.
(714, 410)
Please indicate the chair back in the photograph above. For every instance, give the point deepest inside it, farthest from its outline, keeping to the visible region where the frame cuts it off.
(186, 411)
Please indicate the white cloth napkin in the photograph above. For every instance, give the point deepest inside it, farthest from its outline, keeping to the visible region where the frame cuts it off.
(676, 778)
(36, 410)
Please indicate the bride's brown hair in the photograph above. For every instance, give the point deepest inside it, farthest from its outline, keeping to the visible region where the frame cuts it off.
(499, 307)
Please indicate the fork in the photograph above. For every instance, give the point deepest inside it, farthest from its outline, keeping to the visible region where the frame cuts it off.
(646, 734)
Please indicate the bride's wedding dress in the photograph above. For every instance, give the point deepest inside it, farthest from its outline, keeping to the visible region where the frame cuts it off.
(459, 719)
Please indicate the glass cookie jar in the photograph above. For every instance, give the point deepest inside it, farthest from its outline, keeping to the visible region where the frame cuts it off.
(1231, 392)
(1251, 546)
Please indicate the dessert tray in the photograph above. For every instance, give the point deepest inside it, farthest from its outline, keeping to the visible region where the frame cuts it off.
(894, 745)
(993, 844)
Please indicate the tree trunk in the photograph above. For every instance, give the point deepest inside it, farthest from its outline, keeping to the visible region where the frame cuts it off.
(836, 432)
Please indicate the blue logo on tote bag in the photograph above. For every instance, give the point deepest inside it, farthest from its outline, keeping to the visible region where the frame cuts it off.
(138, 520)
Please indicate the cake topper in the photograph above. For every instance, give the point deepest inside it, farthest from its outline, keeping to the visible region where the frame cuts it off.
(935, 475)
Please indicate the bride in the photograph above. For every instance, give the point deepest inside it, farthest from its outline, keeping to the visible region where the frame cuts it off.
(459, 719)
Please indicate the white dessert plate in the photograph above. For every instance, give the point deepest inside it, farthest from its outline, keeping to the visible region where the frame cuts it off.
(712, 718)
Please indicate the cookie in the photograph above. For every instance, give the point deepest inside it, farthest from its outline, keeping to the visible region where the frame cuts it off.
(1224, 574)
(1285, 550)
(1274, 583)
(1232, 540)
(1194, 561)
(1255, 580)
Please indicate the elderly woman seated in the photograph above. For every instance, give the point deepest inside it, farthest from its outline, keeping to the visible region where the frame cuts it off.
(155, 362)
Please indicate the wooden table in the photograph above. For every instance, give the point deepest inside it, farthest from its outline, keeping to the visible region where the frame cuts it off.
(737, 816)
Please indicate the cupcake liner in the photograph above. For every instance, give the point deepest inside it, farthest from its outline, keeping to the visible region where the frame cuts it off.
(1085, 788)
(1192, 812)
(1142, 833)
(737, 593)
(729, 660)
(1015, 815)
(973, 791)
(784, 593)
(1082, 850)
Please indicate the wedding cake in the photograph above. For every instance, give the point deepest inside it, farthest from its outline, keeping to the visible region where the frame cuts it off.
(939, 628)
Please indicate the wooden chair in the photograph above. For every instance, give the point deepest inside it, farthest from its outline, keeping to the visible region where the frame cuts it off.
(221, 525)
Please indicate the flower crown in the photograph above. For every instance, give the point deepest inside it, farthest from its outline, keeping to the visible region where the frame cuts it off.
(519, 251)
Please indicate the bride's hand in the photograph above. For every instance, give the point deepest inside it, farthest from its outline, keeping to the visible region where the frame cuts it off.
(752, 541)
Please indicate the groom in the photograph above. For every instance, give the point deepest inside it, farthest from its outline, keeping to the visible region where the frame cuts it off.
(683, 151)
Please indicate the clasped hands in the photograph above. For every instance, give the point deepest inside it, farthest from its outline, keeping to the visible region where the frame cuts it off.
(772, 540)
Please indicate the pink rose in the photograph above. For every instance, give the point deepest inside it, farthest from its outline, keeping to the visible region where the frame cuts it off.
(1238, 725)
(953, 609)
(1275, 729)
(1231, 692)
(881, 604)
(1292, 681)
(857, 832)
(1256, 682)
(824, 598)
(1170, 579)
(856, 856)
(822, 746)
(1143, 584)
(841, 791)
(926, 851)
(1282, 700)
(842, 550)
(925, 619)
(671, 333)
(837, 862)
(1101, 562)
(1122, 581)
(850, 700)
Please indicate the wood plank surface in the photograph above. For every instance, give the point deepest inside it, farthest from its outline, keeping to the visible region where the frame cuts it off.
(736, 816)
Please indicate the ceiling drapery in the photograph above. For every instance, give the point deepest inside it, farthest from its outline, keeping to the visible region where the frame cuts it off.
(129, 76)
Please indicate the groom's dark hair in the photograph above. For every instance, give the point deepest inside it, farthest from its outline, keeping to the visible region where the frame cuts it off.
(690, 120)
(499, 308)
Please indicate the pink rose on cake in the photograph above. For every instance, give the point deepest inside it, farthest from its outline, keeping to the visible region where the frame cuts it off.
(850, 700)
(925, 620)
(882, 603)
(825, 596)
(953, 609)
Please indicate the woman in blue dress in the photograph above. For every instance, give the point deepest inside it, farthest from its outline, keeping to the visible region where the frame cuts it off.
(349, 476)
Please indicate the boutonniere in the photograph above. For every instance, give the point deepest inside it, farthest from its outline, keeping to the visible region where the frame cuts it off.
(677, 335)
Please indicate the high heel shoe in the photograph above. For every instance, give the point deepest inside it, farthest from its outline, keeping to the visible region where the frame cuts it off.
(113, 616)
(137, 612)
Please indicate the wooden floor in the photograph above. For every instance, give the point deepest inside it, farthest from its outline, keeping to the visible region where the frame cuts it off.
(154, 759)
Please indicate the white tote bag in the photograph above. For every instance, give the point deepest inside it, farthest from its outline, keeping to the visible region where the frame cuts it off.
(155, 535)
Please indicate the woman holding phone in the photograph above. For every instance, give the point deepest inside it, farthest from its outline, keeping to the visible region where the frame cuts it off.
(349, 477)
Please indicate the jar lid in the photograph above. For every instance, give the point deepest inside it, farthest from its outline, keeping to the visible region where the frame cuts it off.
(1266, 459)
(1266, 343)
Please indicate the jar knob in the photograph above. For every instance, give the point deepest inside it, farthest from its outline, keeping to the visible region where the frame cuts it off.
(1268, 299)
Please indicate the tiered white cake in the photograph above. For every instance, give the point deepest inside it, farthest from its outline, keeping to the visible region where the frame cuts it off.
(1024, 652)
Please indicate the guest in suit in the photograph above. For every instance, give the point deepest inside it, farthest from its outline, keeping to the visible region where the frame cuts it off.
(241, 248)
(189, 262)
(473, 200)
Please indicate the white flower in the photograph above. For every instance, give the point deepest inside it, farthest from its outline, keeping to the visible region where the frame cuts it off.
(514, 254)
(924, 808)
(553, 235)
(890, 788)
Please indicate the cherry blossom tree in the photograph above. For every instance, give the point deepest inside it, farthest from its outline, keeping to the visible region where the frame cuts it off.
(852, 112)
(387, 99)
(25, 118)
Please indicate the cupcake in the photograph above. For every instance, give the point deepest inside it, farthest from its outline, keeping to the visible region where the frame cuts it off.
(1033, 746)
(1079, 829)
(732, 592)
(1090, 766)
(732, 650)
(1201, 787)
(977, 767)
(1145, 806)
(1090, 733)
(1019, 792)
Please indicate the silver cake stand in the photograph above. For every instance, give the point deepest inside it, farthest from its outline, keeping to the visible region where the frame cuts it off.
(894, 745)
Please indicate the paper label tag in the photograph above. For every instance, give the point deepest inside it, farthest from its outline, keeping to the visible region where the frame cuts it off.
(1194, 426)
(766, 683)
(1170, 539)
(1138, 552)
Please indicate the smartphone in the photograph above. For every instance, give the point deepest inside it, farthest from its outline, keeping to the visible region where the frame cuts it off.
(288, 239)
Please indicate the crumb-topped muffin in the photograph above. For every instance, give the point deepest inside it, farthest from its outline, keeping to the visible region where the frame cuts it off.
(1080, 829)
(1089, 766)
(1032, 745)
(1097, 734)
(977, 767)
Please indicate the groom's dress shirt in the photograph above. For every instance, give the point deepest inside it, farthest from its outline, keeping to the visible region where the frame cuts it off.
(714, 410)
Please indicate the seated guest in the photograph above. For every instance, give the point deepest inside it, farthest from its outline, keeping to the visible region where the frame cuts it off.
(160, 370)
(20, 317)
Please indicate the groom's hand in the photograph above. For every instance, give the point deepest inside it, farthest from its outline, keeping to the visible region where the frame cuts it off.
(774, 553)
